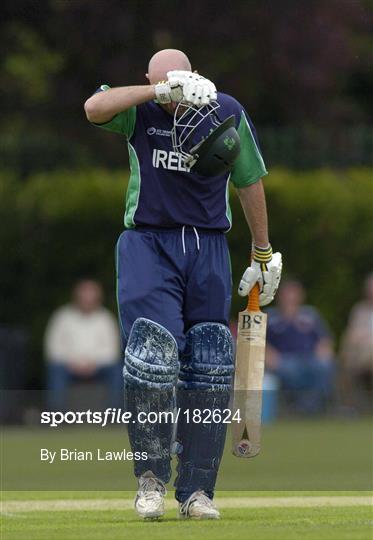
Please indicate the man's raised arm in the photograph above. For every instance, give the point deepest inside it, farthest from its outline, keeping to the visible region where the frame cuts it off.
(179, 86)
(103, 106)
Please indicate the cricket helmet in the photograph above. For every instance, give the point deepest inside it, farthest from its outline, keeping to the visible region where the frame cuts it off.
(216, 152)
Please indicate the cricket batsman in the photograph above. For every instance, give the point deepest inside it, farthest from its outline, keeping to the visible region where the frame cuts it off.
(186, 143)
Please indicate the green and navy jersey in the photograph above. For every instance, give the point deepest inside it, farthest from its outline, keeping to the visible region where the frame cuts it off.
(162, 191)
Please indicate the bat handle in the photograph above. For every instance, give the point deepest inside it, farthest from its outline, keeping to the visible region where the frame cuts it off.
(253, 299)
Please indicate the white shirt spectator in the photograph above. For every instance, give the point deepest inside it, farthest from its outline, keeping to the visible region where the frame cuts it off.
(82, 339)
(357, 342)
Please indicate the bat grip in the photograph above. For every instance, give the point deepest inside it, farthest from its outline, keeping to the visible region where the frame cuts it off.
(253, 300)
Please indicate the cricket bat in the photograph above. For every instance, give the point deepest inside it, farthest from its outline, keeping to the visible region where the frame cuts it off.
(248, 382)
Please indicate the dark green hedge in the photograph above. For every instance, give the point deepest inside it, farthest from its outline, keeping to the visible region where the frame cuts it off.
(59, 226)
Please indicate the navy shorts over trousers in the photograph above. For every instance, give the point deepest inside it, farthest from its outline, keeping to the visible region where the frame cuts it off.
(175, 277)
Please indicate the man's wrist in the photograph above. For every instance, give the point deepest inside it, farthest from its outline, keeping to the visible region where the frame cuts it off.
(162, 92)
(262, 254)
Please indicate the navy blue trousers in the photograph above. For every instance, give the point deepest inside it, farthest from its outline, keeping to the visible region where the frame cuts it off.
(177, 278)
(308, 381)
(173, 282)
(60, 379)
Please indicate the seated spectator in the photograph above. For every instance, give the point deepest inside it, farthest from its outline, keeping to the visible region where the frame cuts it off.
(300, 350)
(82, 344)
(357, 350)
(13, 372)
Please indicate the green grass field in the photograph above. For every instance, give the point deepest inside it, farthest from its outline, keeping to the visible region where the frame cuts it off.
(320, 520)
(312, 481)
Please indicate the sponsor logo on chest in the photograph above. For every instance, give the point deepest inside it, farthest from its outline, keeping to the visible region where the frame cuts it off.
(159, 132)
(172, 161)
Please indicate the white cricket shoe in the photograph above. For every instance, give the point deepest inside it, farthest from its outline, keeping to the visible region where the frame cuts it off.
(149, 502)
(198, 506)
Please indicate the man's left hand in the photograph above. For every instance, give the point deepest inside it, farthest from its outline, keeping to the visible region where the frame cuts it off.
(265, 269)
(196, 89)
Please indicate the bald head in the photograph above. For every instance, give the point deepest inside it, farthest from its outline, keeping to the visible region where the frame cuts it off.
(164, 61)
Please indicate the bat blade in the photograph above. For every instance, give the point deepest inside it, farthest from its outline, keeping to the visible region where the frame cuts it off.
(248, 383)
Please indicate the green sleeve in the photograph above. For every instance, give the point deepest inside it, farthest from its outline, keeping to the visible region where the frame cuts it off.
(249, 166)
(123, 122)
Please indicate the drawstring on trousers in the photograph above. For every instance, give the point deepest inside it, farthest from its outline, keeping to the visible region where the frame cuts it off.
(183, 238)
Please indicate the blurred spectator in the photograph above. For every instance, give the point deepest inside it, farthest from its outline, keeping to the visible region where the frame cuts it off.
(300, 350)
(13, 372)
(82, 344)
(357, 349)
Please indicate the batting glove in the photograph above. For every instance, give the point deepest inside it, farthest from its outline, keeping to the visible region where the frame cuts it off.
(196, 89)
(167, 91)
(265, 269)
